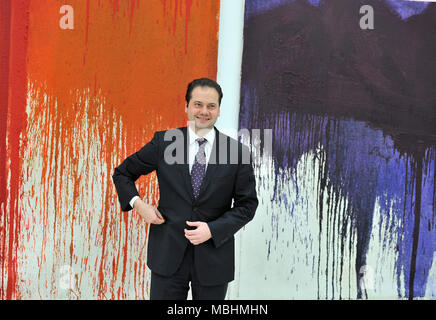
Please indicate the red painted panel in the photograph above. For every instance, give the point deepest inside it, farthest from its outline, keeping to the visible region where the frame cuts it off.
(73, 104)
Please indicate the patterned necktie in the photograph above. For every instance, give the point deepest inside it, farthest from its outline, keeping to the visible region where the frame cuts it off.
(198, 168)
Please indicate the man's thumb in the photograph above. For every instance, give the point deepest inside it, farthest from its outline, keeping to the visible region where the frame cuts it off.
(158, 214)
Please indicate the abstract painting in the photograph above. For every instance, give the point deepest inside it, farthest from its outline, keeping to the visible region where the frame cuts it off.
(74, 102)
(348, 197)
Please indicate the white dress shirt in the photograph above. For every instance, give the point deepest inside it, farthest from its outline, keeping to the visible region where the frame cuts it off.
(193, 149)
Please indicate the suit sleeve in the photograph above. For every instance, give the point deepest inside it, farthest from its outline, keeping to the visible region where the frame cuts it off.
(140, 163)
(244, 205)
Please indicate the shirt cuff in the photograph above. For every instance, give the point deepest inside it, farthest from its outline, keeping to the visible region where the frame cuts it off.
(133, 201)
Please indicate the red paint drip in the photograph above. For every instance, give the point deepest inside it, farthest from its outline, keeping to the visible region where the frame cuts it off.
(175, 17)
(5, 23)
(188, 5)
(87, 22)
(115, 5)
(17, 115)
(95, 84)
(132, 10)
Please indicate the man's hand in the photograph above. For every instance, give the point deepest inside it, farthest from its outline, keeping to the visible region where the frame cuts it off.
(198, 235)
(149, 213)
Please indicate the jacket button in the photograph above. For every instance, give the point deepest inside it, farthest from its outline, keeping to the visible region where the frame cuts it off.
(195, 209)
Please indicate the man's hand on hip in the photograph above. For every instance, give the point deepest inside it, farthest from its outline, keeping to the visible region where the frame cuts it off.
(149, 213)
(198, 235)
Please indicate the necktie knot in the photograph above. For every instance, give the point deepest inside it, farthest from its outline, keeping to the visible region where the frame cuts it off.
(201, 141)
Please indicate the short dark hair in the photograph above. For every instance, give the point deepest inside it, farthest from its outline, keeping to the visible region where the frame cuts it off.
(203, 82)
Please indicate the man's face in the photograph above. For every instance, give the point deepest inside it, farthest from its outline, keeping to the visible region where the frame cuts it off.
(203, 108)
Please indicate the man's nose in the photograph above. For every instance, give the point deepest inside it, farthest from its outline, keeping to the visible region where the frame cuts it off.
(204, 110)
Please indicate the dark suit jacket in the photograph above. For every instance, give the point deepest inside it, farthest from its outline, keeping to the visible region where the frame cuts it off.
(229, 176)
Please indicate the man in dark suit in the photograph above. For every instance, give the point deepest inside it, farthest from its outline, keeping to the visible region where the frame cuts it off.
(200, 172)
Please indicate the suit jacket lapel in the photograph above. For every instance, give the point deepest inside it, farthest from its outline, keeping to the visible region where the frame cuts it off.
(212, 165)
(185, 166)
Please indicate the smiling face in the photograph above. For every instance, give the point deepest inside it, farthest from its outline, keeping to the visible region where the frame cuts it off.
(203, 109)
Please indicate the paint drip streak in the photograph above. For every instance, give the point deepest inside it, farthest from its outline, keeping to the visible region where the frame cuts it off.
(417, 215)
(17, 123)
(5, 19)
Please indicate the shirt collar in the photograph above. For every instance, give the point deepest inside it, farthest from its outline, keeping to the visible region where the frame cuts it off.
(210, 136)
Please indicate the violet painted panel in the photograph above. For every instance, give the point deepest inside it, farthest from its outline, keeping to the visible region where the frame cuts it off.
(348, 205)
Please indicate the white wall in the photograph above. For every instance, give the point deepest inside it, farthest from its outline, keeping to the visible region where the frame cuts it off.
(230, 45)
(230, 42)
